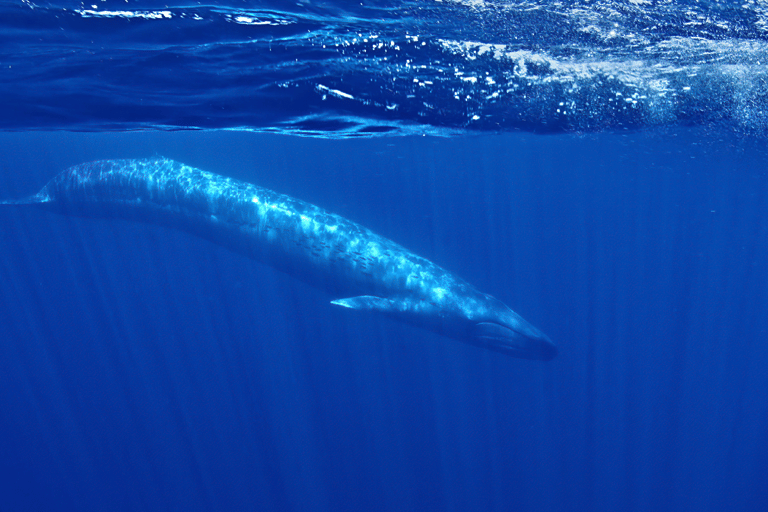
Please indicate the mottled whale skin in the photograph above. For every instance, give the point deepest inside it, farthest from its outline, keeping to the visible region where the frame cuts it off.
(366, 271)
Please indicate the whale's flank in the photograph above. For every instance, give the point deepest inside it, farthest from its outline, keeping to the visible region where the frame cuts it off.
(366, 271)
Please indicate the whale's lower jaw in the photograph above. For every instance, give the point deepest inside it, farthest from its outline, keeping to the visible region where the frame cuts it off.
(514, 343)
(366, 271)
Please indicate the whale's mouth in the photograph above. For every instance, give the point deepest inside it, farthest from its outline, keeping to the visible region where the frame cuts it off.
(526, 342)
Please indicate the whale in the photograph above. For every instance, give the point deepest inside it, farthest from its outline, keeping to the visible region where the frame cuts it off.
(359, 269)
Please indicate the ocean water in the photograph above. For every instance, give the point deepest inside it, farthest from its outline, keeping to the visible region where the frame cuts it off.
(598, 166)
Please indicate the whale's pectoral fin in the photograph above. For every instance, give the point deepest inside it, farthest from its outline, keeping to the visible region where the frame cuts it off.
(368, 303)
(403, 308)
(410, 310)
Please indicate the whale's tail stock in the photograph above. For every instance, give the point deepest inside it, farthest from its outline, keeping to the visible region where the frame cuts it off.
(38, 198)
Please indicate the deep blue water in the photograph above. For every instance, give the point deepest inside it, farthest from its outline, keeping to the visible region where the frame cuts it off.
(144, 369)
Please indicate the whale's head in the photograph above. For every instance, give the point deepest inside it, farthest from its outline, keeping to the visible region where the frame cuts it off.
(502, 330)
(473, 318)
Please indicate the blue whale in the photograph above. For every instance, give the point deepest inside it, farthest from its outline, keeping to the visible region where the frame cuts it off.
(366, 271)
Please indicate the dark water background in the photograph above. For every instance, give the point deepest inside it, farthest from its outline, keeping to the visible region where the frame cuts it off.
(143, 369)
